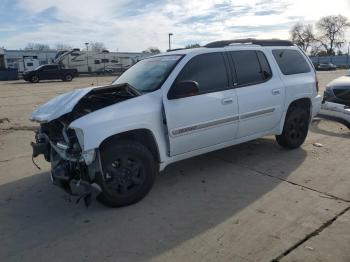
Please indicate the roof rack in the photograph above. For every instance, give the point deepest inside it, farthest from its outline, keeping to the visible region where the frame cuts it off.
(261, 42)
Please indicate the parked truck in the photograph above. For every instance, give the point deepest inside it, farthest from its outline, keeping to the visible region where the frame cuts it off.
(49, 72)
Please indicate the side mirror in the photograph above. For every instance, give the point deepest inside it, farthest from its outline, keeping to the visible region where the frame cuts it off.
(183, 89)
(266, 75)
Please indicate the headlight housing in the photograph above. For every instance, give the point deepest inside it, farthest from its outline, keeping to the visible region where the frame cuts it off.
(80, 136)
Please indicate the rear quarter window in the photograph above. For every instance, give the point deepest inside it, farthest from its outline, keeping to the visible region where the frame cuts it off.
(291, 62)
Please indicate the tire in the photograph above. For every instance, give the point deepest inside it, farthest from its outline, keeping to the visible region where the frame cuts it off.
(68, 78)
(129, 171)
(295, 129)
(34, 79)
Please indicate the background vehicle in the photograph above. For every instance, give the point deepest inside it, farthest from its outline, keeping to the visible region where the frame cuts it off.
(111, 141)
(338, 91)
(49, 72)
(326, 67)
(104, 71)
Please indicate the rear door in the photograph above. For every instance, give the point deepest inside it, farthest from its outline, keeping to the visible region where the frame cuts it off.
(206, 119)
(260, 92)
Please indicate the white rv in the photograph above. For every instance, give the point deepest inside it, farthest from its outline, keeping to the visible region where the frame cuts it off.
(97, 62)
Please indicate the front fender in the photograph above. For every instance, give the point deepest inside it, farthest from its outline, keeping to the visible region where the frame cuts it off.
(143, 112)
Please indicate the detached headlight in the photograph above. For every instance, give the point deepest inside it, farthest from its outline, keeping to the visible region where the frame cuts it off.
(80, 136)
(89, 156)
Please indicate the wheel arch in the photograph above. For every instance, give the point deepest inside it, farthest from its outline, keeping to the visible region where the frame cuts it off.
(143, 136)
(304, 102)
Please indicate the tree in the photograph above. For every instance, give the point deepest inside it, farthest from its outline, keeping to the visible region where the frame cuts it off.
(37, 47)
(302, 35)
(196, 45)
(331, 30)
(152, 50)
(97, 46)
(61, 46)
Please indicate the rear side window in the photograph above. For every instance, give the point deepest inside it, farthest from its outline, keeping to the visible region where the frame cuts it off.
(291, 61)
(251, 67)
(208, 70)
(50, 67)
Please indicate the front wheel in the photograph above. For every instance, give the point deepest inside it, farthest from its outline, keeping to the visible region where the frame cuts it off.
(295, 129)
(129, 171)
(34, 79)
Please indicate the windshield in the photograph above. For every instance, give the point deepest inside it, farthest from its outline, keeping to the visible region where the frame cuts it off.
(150, 73)
(39, 67)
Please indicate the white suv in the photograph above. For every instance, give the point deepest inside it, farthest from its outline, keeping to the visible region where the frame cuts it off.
(111, 141)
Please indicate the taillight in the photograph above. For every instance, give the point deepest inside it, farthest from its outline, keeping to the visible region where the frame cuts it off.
(316, 80)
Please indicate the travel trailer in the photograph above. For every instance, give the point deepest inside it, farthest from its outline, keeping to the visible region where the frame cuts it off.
(24, 60)
(97, 62)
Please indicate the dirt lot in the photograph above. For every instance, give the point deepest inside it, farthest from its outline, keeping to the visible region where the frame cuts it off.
(251, 202)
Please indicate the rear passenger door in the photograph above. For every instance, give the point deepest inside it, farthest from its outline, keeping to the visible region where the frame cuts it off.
(260, 92)
(207, 118)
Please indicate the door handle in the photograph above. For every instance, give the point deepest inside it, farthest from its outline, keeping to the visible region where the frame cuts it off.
(276, 91)
(226, 101)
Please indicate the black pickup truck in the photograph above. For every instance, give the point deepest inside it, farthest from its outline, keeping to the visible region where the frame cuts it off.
(49, 72)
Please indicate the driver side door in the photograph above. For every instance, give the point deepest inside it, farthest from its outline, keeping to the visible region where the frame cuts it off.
(207, 118)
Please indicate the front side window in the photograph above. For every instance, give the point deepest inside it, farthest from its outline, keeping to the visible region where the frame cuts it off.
(291, 61)
(150, 73)
(208, 70)
(251, 67)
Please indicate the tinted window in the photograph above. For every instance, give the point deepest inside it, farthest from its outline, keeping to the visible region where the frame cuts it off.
(248, 67)
(264, 64)
(49, 67)
(208, 70)
(97, 62)
(291, 61)
(29, 64)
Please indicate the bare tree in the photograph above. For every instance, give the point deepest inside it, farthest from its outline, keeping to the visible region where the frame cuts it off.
(152, 50)
(193, 45)
(331, 30)
(37, 47)
(62, 46)
(97, 46)
(302, 35)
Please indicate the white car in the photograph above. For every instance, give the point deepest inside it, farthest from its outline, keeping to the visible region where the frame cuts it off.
(111, 141)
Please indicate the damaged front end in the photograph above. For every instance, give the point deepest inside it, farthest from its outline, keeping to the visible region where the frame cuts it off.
(72, 168)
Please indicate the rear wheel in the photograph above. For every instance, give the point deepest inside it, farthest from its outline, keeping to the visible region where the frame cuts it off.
(68, 78)
(129, 172)
(34, 79)
(295, 129)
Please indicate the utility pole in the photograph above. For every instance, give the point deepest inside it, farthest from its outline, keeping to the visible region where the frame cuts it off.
(170, 34)
(87, 55)
(348, 55)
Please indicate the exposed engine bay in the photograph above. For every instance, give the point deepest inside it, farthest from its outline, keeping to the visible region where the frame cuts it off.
(72, 169)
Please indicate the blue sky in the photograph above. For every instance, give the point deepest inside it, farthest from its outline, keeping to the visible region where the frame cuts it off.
(138, 24)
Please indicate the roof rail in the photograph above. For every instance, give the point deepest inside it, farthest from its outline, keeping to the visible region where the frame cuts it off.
(253, 41)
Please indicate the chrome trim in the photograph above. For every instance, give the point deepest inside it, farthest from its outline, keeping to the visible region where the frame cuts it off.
(188, 129)
(257, 113)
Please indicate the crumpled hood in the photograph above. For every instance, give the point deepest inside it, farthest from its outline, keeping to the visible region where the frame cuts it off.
(59, 105)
